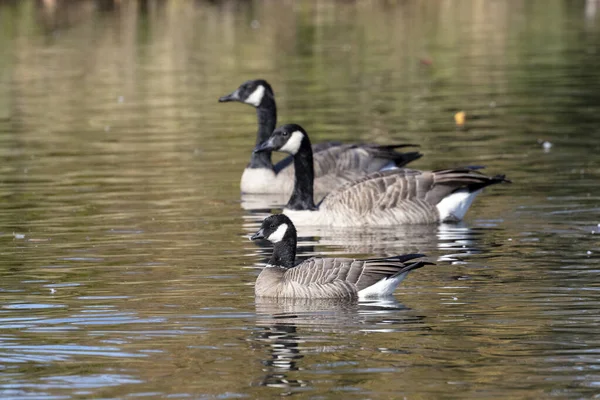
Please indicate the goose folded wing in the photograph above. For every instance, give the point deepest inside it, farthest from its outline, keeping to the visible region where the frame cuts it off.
(447, 181)
(352, 161)
(322, 271)
(385, 189)
(376, 271)
(382, 190)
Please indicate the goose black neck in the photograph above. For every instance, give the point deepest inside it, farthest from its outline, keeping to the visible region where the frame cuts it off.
(302, 197)
(284, 252)
(266, 114)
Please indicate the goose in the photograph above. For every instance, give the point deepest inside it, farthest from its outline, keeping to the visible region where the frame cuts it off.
(324, 278)
(334, 163)
(385, 198)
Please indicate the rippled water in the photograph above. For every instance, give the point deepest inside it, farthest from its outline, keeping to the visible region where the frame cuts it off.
(125, 266)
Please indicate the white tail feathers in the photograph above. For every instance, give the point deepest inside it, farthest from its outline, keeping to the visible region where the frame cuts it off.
(453, 208)
(383, 288)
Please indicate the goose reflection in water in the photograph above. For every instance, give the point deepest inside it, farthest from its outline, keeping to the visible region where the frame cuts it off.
(286, 327)
(452, 241)
(262, 204)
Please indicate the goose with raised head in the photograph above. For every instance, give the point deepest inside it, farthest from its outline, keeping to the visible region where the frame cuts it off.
(334, 163)
(393, 197)
(325, 278)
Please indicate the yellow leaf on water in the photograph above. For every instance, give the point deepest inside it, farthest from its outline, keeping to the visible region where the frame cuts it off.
(460, 117)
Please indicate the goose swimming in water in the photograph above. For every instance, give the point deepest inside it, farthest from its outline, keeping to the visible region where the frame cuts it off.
(334, 163)
(325, 278)
(393, 197)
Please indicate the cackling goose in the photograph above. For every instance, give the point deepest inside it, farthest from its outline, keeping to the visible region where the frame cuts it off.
(399, 196)
(334, 163)
(325, 278)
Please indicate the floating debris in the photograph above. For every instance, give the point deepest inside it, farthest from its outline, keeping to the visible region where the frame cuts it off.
(546, 145)
(460, 118)
(19, 235)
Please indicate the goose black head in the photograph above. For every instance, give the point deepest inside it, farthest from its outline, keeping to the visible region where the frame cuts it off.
(250, 92)
(275, 228)
(287, 138)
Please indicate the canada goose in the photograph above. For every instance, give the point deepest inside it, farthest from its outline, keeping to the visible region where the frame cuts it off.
(334, 163)
(319, 278)
(400, 196)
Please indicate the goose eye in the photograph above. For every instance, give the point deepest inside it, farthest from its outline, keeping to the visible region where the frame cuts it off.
(285, 133)
(272, 226)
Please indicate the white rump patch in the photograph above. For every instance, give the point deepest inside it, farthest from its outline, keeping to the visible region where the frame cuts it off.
(453, 208)
(277, 236)
(383, 288)
(256, 97)
(293, 144)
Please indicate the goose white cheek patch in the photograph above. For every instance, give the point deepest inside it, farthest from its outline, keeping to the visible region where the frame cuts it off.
(256, 97)
(277, 236)
(293, 144)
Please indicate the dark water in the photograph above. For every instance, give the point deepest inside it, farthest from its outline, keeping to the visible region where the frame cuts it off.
(125, 269)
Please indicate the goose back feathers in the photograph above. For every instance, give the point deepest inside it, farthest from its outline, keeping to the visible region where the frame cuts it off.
(401, 196)
(335, 163)
(342, 278)
(407, 197)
